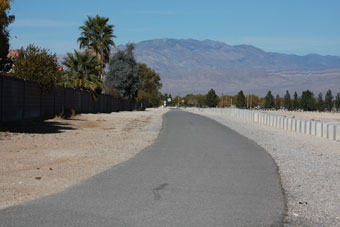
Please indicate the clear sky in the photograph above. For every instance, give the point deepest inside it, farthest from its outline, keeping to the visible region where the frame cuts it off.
(286, 26)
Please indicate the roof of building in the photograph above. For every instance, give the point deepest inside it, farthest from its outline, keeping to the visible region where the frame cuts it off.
(13, 53)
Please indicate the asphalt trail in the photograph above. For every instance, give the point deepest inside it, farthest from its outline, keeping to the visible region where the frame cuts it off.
(198, 173)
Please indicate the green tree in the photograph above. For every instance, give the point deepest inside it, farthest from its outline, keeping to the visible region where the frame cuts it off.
(287, 102)
(337, 102)
(5, 20)
(240, 100)
(296, 102)
(211, 99)
(320, 105)
(37, 64)
(269, 100)
(191, 100)
(329, 100)
(307, 102)
(82, 71)
(277, 103)
(253, 101)
(166, 98)
(201, 100)
(97, 36)
(149, 93)
(122, 75)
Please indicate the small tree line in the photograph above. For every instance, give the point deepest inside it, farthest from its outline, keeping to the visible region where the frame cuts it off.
(208, 100)
(306, 101)
(93, 67)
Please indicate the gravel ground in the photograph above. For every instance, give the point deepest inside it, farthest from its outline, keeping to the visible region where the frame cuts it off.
(41, 158)
(309, 168)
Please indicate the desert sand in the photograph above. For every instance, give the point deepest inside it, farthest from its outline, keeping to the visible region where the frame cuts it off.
(42, 158)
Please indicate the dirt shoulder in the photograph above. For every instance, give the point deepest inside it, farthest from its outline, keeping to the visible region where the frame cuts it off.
(42, 158)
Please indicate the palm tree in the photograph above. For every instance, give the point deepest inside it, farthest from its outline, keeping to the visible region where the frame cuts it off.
(82, 71)
(98, 36)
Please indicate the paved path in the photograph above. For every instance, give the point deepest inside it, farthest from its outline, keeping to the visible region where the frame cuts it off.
(198, 173)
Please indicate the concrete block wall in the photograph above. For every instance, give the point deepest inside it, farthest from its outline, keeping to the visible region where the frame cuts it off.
(329, 131)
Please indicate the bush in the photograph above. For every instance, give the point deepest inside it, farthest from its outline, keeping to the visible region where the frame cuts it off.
(37, 64)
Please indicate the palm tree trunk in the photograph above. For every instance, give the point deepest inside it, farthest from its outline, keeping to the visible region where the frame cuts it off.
(102, 72)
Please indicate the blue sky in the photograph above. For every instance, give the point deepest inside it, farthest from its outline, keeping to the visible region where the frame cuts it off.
(287, 26)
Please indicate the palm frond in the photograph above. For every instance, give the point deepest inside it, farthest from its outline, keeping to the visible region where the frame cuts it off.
(97, 35)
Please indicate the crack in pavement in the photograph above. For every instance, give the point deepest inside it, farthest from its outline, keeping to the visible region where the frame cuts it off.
(155, 191)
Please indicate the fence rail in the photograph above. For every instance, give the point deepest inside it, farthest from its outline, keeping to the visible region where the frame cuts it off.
(329, 131)
(22, 99)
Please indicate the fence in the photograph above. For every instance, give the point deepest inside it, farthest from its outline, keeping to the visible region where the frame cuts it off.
(329, 131)
(22, 99)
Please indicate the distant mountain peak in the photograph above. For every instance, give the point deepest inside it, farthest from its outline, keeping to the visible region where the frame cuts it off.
(180, 55)
(195, 66)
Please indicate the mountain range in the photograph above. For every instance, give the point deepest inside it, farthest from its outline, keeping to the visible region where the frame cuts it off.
(193, 66)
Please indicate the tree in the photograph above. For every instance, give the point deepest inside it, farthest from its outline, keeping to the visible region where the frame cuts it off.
(82, 71)
(241, 100)
(211, 99)
(337, 102)
(123, 73)
(307, 102)
(201, 100)
(277, 103)
(97, 36)
(253, 101)
(37, 64)
(165, 97)
(287, 102)
(171, 102)
(5, 20)
(149, 93)
(269, 100)
(191, 100)
(329, 100)
(296, 103)
(320, 105)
